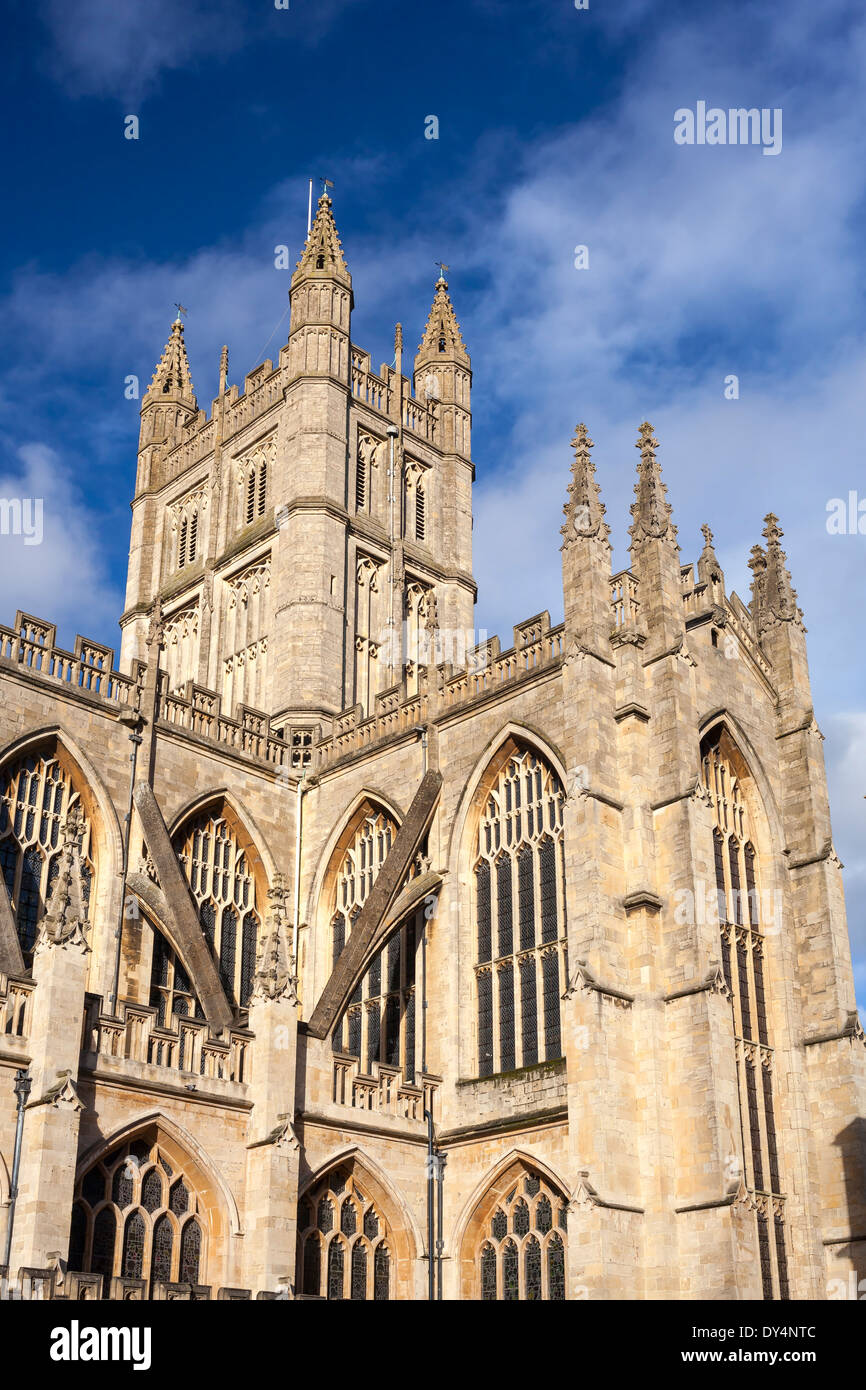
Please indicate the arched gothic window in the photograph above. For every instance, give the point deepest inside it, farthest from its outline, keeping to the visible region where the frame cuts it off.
(370, 634)
(252, 482)
(343, 1242)
(223, 886)
(137, 1216)
(186, 520)
(415, 502)
(743, 914)
(36, 794)
(519, 911)
(379, 1023)
(522, 1243)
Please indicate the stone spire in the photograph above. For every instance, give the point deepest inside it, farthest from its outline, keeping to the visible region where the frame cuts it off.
(584, 510)
(171, 380)
(442, 337)
(774, 599)
(275, 975)
(65, 919)
(322, 256)
(651, 510)
(709, 570)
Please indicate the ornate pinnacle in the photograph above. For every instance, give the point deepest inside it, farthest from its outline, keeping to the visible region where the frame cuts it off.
(323, 250)
(275, 975)
(584, 510)
(709, 569)
(442, 331)
(156, 626)
(651, 510)
(775, 595)
(172, 377)
(64, 920)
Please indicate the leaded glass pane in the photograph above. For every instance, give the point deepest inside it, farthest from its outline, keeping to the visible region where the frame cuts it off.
(528, 1012)
(104, 1237)
(547, 876)
(485, 1024)
(488, 1274)
(359, 1272)
(371, 1224)
(482, 901)
(520, 1217)
(163, 1245)
(325, 1219)
(499, 1224)
(505, 981)
(190, 1253)
(348, 1218)
(121, 1185)
(335, 1271)
(312, 1266)
(505, 932)
(556, 1270)
(77, 1237)
(228, 950)
(543, 1216)
(526, 898)
(151, 1191)
(532, 1270)
(133, 1246)
(179, 1198)
(550, 982)
(382, 1275)
(510, 1273)
(249, 943)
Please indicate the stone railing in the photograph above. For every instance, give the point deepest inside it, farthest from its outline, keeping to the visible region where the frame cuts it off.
(187, 1047)
(624, 599)
(383, 1091)
(16, 998)
(420, 418)
(366, 386)
(89, 667)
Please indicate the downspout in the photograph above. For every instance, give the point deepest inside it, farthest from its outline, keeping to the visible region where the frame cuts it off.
(135, 739)
(22, 1091)
(393, 433)
(299, 806)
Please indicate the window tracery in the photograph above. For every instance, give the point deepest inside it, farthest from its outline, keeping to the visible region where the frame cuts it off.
(344, 1245)
(128, 1220)
(187, 517)
(743, 950)
(36, 794)
(522, 1251)
(253, 476)
(519, 911)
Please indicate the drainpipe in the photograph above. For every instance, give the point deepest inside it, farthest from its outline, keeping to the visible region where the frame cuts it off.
(135, 739)
(440, 1218)
(22, 1091)
(431, 1163)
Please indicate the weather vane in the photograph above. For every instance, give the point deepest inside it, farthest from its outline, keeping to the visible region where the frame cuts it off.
(442, 268)
(181, 311)
(326, 184)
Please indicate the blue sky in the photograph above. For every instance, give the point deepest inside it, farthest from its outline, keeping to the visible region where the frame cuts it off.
(555, 130)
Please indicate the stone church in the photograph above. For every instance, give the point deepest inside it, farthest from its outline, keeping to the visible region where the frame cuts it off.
(345, 956)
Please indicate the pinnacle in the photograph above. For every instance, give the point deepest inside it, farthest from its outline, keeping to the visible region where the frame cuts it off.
(651, 510)
(584, 510)
(774, 591)
(709, 569)
(442, 331)
(323, 251)
(172, 376)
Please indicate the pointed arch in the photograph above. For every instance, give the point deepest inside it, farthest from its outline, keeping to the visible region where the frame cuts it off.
(766, 797)
(405, 1239)
(534, 1217)
(314, 958)
(242, 820)
(509, 882)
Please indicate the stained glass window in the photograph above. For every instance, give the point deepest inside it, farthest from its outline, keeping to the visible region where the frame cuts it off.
(519, 855)
(359, 1272)
(104, 1238)
(521, 1243)
(347, 1249)
(190, 1253)
(216, 862)
(133, 1246)
(151, 1190)
(179, 1198)
(121, 1185)
(36, 794)
(743, 947)
(163, 1245)
(78, 1237)
(335, 1271)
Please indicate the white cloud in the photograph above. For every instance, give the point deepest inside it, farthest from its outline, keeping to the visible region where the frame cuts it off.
(64, 578)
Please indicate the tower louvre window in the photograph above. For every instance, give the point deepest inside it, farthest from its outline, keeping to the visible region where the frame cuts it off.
(361, 483)
(193, 535)
(181, 549)
(420, 512)
(519, 848)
